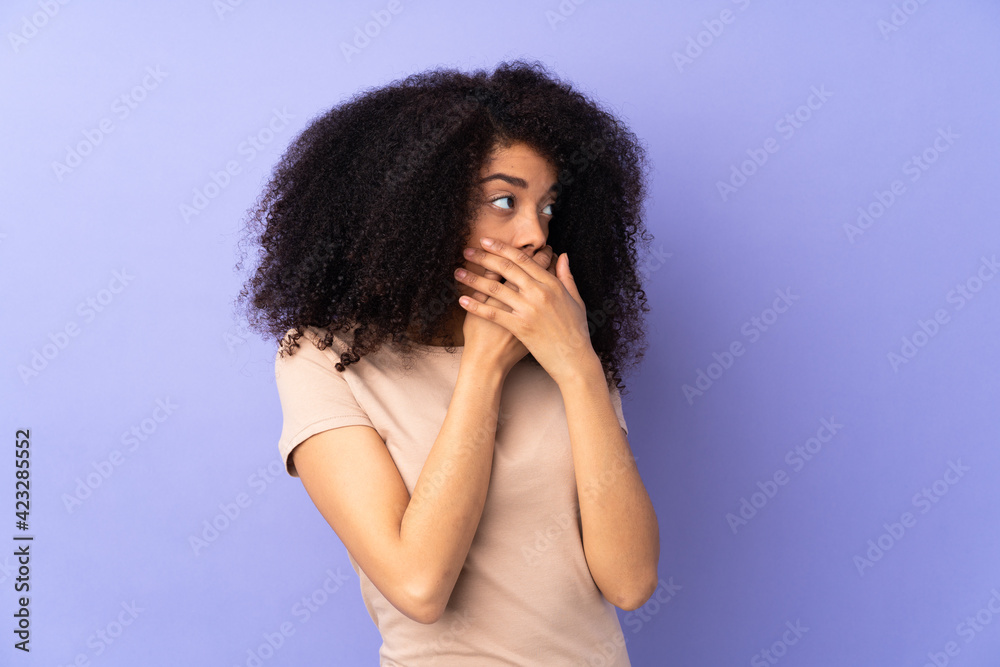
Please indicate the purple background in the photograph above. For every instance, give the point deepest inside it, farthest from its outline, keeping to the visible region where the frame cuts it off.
(165, 330)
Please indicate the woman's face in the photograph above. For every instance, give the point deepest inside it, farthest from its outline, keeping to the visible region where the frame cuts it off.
(517, 189)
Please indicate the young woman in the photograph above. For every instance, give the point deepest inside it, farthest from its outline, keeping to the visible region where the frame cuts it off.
(456, 253)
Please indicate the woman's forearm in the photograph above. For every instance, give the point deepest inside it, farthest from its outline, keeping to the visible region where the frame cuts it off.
(443, 514)
(621, 536)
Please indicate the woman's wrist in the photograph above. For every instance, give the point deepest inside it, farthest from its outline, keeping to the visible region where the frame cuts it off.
(482, 368)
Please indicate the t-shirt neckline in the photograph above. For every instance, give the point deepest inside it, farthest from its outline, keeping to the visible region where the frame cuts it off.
(437, 348)
(441, 349)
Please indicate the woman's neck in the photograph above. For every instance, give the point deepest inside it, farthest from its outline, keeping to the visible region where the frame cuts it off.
(454, 324)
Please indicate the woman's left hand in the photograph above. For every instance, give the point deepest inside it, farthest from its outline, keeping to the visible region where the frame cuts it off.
(546, 312)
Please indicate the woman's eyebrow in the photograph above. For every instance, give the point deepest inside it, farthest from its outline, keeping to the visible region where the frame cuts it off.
(513, 180)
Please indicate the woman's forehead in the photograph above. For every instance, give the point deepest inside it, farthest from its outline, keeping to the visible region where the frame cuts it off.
(520, 159)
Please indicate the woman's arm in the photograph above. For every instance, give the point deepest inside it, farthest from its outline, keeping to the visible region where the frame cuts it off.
(412, 549)
(547, 314)
(621, 538)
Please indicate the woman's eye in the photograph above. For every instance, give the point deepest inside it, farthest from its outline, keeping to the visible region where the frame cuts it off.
(548, 209)
(499, 199)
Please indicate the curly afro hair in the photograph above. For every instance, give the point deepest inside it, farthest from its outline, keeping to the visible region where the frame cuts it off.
(367, 213)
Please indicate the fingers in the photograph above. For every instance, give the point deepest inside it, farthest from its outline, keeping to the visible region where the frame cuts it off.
(551, 268)
(470, 268)
(476, 294)
(518, 266)
(544, 257)
(493, 275)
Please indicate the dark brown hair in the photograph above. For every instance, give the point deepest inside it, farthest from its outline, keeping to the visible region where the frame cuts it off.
(366, 214)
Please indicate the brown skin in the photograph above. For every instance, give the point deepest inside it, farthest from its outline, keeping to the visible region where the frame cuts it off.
(540, 308)
(517, 214)
(619, 527)
(413, 547)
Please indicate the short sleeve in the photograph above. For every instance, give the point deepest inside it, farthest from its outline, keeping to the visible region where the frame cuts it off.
(314, 396)
(616, 400)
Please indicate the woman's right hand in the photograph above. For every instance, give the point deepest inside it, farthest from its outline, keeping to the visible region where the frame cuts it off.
(486, 339)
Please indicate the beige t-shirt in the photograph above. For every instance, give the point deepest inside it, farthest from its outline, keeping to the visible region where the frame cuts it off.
(525, 595)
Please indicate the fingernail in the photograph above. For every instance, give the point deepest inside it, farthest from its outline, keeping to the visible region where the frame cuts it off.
(487, 242)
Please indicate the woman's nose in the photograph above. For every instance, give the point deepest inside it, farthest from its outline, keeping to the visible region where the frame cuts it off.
(531, 235)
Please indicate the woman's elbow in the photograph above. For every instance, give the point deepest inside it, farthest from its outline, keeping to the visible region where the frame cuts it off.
(425, 613)
(634, 597)
(424, 605)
